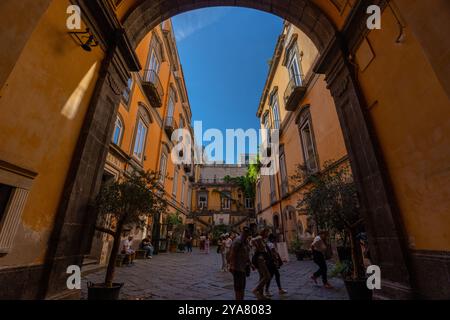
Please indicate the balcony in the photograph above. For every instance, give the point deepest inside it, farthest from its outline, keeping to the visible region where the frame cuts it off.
(294, 93)
(170, 125)
(152, 88)
(187, 167)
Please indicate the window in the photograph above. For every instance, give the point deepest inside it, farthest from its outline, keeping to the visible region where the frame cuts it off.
(118, 132)
(127, 92)
(170, 110)
(189, 197)
(139, 141)
(5, 194)
(272, 188)
(154, 63)
(283, 172)
(294, 68)
(181, 122)
(15, 184)
(266, 122)
(248, 203)
(183, 186)
(308, 146)
(226, 200)
(275, 110)
(163, 168)
(175, 182)
(203, 200)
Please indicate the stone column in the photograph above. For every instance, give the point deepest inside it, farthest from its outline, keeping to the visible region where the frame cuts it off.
(381, 216)
(74, 225)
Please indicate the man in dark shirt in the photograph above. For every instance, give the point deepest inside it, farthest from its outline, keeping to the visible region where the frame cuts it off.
(240, 262)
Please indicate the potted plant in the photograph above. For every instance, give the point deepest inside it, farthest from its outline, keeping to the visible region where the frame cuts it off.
(126, 202)
(331, 200)
(175, 223)
(298, 250)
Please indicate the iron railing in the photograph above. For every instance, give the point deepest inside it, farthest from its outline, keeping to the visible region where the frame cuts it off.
(151, 77)
(295, 82)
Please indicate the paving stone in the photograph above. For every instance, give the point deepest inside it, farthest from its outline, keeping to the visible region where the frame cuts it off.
(198, 276)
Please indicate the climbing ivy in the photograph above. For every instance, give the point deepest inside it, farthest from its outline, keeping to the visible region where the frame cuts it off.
(247, 183)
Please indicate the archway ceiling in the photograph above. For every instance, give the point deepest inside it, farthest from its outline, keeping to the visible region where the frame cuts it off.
(317, 18)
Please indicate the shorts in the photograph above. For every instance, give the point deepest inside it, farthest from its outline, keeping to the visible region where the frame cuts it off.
(239, 278)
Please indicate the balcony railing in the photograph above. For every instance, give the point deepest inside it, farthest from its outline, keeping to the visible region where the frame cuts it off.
(152, 87)
(187, 167)
(294, 93)
(170, 125)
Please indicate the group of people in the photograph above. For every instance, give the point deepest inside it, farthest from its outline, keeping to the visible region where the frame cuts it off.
(145, 245)
(223, 248)
(264, 258)
(247, 252)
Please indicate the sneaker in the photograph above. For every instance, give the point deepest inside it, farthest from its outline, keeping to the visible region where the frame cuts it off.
(282, 291)
(268, 294)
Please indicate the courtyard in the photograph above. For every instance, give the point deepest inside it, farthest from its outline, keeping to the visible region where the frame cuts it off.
(197, 276)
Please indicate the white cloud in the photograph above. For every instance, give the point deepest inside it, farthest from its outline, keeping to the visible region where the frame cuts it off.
(190, 22)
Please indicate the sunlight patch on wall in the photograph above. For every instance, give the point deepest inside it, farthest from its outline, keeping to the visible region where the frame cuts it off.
(72, 105)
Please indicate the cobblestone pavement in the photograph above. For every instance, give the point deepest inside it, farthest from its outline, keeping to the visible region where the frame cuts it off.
(196, 276)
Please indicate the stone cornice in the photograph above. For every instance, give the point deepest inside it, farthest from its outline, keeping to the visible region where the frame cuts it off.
(273, 67)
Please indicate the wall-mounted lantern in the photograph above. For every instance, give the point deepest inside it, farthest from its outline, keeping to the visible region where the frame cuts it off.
(85, 39)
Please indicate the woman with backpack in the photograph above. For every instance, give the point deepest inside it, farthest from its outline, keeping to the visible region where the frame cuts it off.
(273, 264)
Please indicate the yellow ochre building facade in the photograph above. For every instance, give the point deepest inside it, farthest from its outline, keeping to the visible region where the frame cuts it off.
(59, 104)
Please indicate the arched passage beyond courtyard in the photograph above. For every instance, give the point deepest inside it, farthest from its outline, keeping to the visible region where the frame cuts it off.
(339, 32)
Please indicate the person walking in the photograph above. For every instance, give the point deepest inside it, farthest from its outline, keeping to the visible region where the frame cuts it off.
(202, 243)
(228, 242)
(188, 243)
(319, 249)
(221, 251)
(239, 259)
(273, 264)
(259, 261)
(206, 244)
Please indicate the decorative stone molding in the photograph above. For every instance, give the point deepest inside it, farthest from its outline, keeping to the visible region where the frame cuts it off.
(12, 217)
(21, 181)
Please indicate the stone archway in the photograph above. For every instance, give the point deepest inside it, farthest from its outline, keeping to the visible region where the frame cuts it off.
(303, 13)
(378, 207)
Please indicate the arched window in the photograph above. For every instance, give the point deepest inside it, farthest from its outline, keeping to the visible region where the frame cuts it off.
(118, 132)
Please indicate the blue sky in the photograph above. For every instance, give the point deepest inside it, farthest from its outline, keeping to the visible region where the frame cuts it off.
(225, 52)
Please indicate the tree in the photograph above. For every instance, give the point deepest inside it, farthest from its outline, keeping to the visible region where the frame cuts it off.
(128, 202)
(331, 200)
